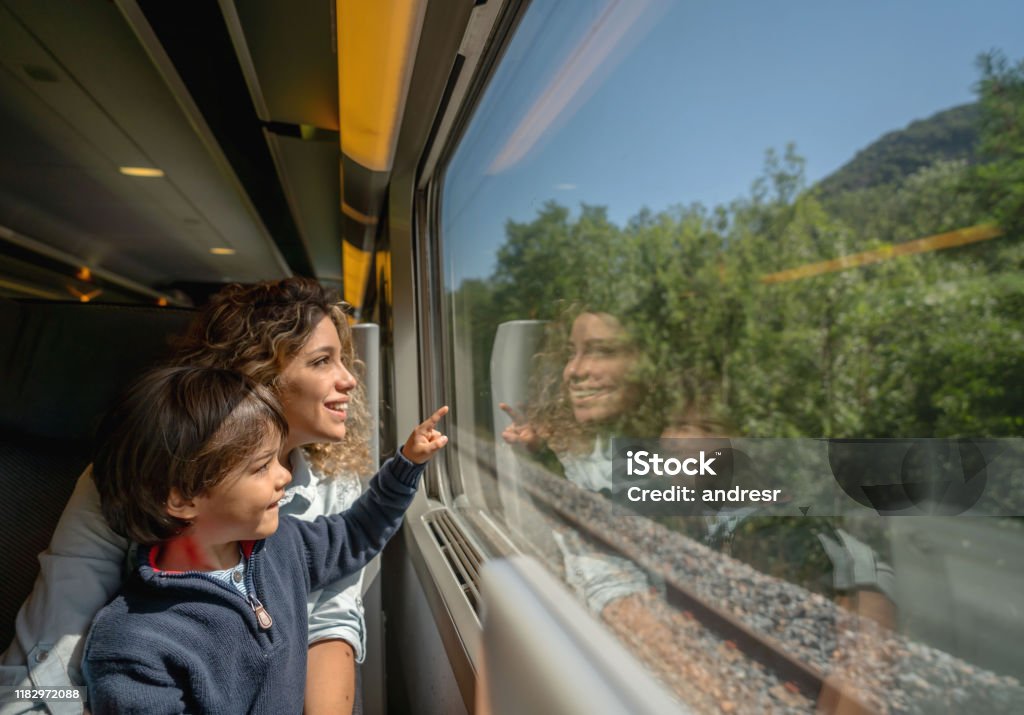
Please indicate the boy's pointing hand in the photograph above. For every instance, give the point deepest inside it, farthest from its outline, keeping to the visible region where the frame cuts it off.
(425, 439)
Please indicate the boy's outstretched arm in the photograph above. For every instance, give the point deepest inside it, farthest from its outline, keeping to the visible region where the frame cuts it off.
(335, 546)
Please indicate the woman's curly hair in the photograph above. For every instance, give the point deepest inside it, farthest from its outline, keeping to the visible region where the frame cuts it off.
(257, 329)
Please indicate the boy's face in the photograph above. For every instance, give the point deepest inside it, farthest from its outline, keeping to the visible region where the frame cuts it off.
(243, 507)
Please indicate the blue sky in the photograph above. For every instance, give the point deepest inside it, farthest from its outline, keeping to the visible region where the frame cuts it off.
(682, 106)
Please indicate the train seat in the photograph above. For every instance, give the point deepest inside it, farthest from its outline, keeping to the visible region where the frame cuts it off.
(62, 363)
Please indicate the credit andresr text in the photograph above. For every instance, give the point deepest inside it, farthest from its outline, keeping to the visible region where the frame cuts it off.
(642, 463)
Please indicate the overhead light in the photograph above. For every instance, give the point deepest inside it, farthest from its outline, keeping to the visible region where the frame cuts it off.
(162, 302)
(146, 172)
(376, 42)
(83, 274)
(84, 297)
(220, 251)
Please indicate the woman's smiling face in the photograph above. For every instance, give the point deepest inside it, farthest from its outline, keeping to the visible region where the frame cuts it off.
(596, 374)
(314, 389)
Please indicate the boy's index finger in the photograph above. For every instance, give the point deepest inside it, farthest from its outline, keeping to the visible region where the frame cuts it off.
(432, 421)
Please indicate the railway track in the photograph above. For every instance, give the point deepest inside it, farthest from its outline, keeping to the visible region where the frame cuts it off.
(794, 673)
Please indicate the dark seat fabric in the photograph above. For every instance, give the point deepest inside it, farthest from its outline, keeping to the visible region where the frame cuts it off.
(61, 365)
(37, 482)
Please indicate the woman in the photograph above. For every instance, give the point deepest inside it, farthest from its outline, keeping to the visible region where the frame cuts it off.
(292, 336)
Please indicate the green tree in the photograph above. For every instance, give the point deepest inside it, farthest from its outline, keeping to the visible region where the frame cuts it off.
(1000, 178)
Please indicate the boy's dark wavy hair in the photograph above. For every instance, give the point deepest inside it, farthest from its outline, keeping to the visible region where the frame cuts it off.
(185, 428)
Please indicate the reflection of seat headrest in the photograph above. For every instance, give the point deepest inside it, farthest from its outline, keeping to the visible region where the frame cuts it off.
(61, 364)
(515, 344)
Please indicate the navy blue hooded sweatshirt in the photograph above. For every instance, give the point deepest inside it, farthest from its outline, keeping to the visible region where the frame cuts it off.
(184, 642)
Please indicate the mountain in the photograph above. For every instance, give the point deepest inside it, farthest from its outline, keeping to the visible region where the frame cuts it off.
(950, 134)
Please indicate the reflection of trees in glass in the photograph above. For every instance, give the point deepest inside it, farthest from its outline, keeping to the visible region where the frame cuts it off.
(920, 345)
(1000, 179)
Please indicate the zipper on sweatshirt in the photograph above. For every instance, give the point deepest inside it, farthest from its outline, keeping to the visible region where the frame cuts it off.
(262, 617)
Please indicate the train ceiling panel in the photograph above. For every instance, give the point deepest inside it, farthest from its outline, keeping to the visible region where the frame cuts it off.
(288, 57)
(308, 169)
(236, 103)
(79, 98)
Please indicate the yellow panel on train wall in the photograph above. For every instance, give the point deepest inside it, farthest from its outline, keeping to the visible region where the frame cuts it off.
(355, 269)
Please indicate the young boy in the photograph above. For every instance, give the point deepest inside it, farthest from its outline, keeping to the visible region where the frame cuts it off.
(213, 618)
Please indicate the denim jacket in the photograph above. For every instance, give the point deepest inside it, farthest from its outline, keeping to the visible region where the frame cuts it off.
(83, 566)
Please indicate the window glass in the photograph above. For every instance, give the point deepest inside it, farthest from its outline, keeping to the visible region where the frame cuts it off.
(792, 233)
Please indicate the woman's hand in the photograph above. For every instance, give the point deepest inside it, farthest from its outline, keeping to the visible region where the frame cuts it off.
(425, 440)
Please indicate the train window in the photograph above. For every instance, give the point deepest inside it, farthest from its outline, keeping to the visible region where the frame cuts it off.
(727, 221)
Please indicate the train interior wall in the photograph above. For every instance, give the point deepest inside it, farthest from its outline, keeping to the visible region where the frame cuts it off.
(420, 679)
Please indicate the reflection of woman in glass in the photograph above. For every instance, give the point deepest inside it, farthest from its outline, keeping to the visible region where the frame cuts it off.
(577, 409)
(597, 381)
(610, 391)
(592, 382)
(597, 371)
(591, 392)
